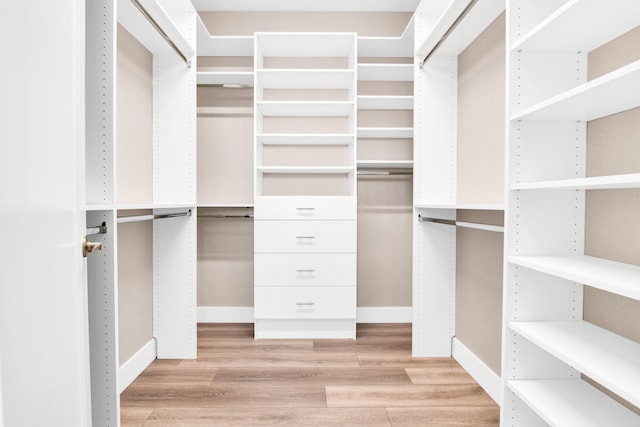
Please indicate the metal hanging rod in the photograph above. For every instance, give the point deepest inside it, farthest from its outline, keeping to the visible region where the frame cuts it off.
(138, 218)
(384, 172)
(463, 224)
(164, 35)
(100, 229)
(449, 31)
(224, 216)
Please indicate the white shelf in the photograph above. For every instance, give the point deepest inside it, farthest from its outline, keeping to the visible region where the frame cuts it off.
(385, 72)
(385, 103)
(609, 359)
(306, 44)
(136, 206)
(386, 133)
(572, 402)
(306, 108)
(616, 277)
(305, 79)
(609, 94)
(225, 205)
(551, 35)
(97, 207)
(474, 207)
(305, 139)
(388, 47)
(209, 45)
(304, 169)
(385, 164)
(478, 18)
(610, 182)
(132, 19)
(242, 78)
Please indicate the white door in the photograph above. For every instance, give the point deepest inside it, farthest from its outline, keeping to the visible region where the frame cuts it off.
(44, 353)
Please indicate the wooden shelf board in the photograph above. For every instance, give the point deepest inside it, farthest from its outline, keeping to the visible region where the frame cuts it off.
(615, 277)
(403, 133)
(385, 103)
(598, 98)
(385, 72)
(305, 78)
(610, 182)
(609, 359)
(563, 402)
(551, 35)
(305, 139)
(306, 109)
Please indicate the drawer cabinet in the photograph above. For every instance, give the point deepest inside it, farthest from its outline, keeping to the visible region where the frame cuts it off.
(305, 236)
(306, 208)
(305, 303)
(305, 269)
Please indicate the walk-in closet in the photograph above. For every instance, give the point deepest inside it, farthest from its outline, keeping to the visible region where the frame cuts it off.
(311, 213)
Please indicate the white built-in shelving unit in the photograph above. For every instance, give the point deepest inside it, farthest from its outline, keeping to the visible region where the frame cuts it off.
(305, 209)
(436, 177)
(549, 348)
(172, 156)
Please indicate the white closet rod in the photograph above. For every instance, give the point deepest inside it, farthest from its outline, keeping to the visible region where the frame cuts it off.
(164, 35)
(463, 224)
(222, 216)
(448, 32)
(138, 218)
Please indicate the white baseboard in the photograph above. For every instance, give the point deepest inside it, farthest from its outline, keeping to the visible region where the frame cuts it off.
(225, 314)
(384, 315)
(133, 367)
(480, 372)
(245, 315)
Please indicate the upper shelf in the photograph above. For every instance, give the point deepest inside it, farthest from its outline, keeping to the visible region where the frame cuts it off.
(385, 164)
(305, 79)
(580, 15)
(600, 97)
(385, 72)
(564, 402)
(388, 47)
(611, 182)
(133, 20)
(305, 44)
(209, 45)
(605, 357)
(615, 277)
(462, 206)
(305, 139)
(441, 15)
(385, 133)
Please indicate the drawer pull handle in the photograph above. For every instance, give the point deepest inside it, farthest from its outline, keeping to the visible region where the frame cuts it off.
(309, 270)
(305, 237)
(305, 209)
(305, 303)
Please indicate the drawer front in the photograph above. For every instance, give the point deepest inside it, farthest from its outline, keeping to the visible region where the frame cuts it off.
(305, 303)
(305, 269)
(305, 208)
(305, 236)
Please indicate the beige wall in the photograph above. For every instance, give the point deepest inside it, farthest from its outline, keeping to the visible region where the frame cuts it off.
(480, 169)
(135, 287)
(381, 24)
(134, 133)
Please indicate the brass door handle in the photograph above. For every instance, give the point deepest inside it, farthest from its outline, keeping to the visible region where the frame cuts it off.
(90, 247)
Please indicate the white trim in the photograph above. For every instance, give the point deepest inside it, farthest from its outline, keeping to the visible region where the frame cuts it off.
(480, 372)
(225, 314)
(137, 363)
(245, 315)
(384, 315)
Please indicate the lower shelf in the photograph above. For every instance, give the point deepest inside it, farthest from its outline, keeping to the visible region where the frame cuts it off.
(567, 402)
(305, 329)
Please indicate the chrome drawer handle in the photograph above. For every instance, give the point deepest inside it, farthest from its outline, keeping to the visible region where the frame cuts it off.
(305, 237)
(305, 209)
(305, 303)
(309, 270)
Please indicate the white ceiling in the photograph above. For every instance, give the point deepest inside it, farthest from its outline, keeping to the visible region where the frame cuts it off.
(308, 5)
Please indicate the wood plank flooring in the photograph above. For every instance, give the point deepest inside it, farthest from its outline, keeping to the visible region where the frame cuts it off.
(370, 381)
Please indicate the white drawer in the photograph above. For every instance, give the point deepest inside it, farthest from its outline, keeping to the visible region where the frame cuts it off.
(305, 303)
(305, 269)
(305, 208)
(305, 236)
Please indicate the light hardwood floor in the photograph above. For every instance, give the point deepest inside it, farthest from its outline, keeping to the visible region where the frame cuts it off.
(372, 381)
